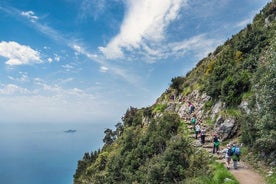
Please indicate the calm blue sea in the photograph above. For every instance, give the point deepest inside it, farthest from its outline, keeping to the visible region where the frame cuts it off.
(44, 153)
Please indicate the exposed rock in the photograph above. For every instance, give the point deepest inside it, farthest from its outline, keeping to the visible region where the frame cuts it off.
(226, 128)
(244, 106)
(273, 164)
(216, 109)
(198, 100)
(171, 107)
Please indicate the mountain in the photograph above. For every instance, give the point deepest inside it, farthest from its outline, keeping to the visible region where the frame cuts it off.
(233, 91)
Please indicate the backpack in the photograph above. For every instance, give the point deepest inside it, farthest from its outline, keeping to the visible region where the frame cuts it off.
(193, 120)
(237, 151)
(229, 152)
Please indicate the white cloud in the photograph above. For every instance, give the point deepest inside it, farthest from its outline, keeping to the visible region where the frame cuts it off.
(23, 78)
(18, 54)
(12, 89)
(53, 103)
(57, 58)
(91, 8)
(74, 45)
(30, 15)
(144, 21)
(103, 69)
(50, 60)
(67, 67)
(243, 23)
(200, 45)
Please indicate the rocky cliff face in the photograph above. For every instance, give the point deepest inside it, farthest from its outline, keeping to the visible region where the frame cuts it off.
(226, 126)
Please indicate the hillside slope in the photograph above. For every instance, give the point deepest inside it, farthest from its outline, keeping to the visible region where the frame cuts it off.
(233, 91)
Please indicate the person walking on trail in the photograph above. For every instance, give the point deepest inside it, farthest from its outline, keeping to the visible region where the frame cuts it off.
(193, 121)
(235, 155)
(228, 154)
(197, 130)
(191, 107)
(216, 143)
(202, 136)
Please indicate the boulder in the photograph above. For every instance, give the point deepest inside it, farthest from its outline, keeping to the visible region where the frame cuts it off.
(226, 128)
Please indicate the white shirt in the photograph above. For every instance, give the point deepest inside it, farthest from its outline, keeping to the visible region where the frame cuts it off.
(197, 128)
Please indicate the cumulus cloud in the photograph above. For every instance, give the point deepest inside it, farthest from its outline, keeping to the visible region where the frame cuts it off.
(30, 15)
(144, 21)
(12, 89)
(53, 103)
(50, 60)
(18, 54)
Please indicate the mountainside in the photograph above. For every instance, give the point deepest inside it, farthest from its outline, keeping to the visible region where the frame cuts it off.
(233, 91)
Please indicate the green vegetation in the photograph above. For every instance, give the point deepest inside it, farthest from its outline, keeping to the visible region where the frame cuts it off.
(152, 145)
(259, 126)
(159, 108)
(272, 178)
(160, 154)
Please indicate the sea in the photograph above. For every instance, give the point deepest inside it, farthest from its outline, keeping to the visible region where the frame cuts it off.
(44, 153)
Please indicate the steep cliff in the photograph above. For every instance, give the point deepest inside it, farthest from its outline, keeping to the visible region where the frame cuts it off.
(233, 91)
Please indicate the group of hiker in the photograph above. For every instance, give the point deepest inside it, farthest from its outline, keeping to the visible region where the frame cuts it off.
(232, 151)
(196, 125)
(198, 130)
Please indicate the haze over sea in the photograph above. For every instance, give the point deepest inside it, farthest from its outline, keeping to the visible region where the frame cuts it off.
(35, 153)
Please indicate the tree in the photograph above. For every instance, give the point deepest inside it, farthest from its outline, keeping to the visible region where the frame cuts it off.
(109, 136)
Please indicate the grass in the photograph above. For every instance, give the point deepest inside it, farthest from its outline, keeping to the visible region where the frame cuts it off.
(231, 112)
(159, 108)
(271, 179)
(220, 176)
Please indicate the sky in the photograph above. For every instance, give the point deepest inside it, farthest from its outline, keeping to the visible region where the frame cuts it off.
(90, 60)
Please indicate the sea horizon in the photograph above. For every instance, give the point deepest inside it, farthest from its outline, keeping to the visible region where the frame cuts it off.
(44, 153)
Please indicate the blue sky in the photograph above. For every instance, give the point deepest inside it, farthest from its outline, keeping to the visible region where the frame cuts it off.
(89, 60)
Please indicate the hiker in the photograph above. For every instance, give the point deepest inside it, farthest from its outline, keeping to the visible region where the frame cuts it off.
(216, 143)
(235, 155)
(228, 154)
(191, 107)
(202, 136)
(197, 130)
(193, 120)
(172, 97)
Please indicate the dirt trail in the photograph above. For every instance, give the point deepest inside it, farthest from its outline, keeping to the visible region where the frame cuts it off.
(246, 175)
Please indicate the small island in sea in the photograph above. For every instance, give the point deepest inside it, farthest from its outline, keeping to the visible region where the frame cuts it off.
(70, 131)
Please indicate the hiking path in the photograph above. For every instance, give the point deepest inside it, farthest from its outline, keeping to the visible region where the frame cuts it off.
(245, 174)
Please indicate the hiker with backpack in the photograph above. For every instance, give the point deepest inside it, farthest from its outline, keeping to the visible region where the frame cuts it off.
(197, 130)
(216, 143)
(228, 154)
(236, 152)
(193, 121)
(191, 107)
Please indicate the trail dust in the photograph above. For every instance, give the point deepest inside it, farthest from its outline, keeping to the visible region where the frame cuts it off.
(245, 175)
